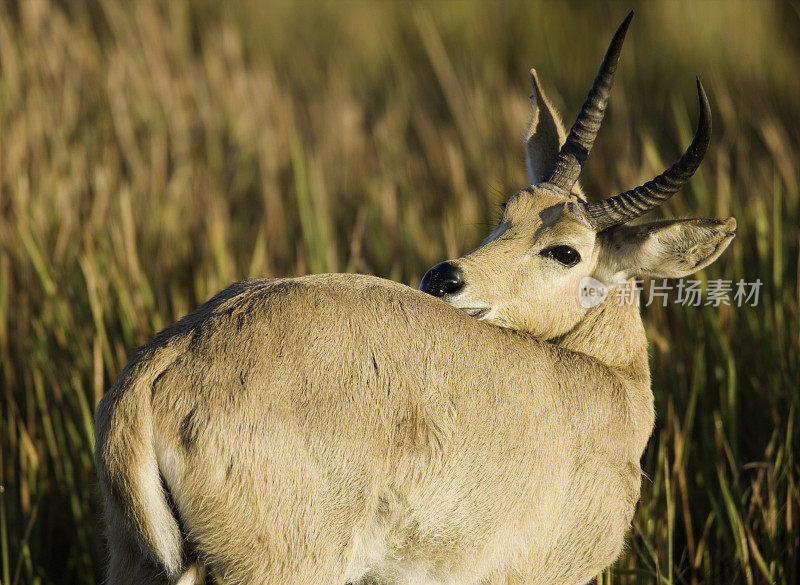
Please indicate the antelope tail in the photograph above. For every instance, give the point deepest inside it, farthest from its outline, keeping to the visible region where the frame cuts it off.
(129, 474)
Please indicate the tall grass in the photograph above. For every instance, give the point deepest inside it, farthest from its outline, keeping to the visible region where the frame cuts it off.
(151, 153)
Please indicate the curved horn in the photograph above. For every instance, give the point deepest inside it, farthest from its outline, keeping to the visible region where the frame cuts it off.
(631, 204)
(583, 132)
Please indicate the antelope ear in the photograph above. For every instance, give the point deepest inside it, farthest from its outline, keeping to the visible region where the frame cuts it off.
(663, 249)
(544, 137)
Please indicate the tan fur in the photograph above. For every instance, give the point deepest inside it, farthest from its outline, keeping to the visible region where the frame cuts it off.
(297, 427)
(343, 428)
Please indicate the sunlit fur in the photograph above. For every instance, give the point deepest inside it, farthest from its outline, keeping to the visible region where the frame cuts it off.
(516, 284)
(509, 275)
(343, 428)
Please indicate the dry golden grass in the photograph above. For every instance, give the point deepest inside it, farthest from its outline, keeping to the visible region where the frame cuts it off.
(152, 152)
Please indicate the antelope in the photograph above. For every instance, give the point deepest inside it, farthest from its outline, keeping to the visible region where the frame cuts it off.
(341, 428)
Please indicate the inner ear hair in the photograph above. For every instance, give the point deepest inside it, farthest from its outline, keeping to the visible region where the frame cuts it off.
(544, 137)
(662, 249)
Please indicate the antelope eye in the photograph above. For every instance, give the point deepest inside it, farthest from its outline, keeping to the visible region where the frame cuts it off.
(565, 255)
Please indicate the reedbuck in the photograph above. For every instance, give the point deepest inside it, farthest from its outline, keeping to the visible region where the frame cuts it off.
(340, 428)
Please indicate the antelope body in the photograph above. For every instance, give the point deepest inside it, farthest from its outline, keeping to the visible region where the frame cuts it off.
(347, 429)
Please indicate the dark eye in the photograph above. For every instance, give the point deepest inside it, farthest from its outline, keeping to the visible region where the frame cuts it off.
(565, 255)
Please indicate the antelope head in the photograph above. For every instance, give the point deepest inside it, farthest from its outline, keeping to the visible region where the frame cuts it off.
(526, 274)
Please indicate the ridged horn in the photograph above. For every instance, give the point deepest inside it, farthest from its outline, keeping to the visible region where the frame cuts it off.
(581, 136)
(631, 204)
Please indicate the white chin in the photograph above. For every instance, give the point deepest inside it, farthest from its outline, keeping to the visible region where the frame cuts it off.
(477, 312)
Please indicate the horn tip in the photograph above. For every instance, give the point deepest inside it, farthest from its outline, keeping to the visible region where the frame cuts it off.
(701, 91)
(615, 47)
(705, 107)
(623, 27)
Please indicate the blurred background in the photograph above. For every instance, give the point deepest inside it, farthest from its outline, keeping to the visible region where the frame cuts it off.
(151, 153)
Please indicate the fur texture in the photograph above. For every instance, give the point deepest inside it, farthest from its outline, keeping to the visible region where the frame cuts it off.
(304, 441)
(343, 428)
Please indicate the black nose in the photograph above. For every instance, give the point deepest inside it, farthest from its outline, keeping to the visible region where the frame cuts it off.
(442, 279)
